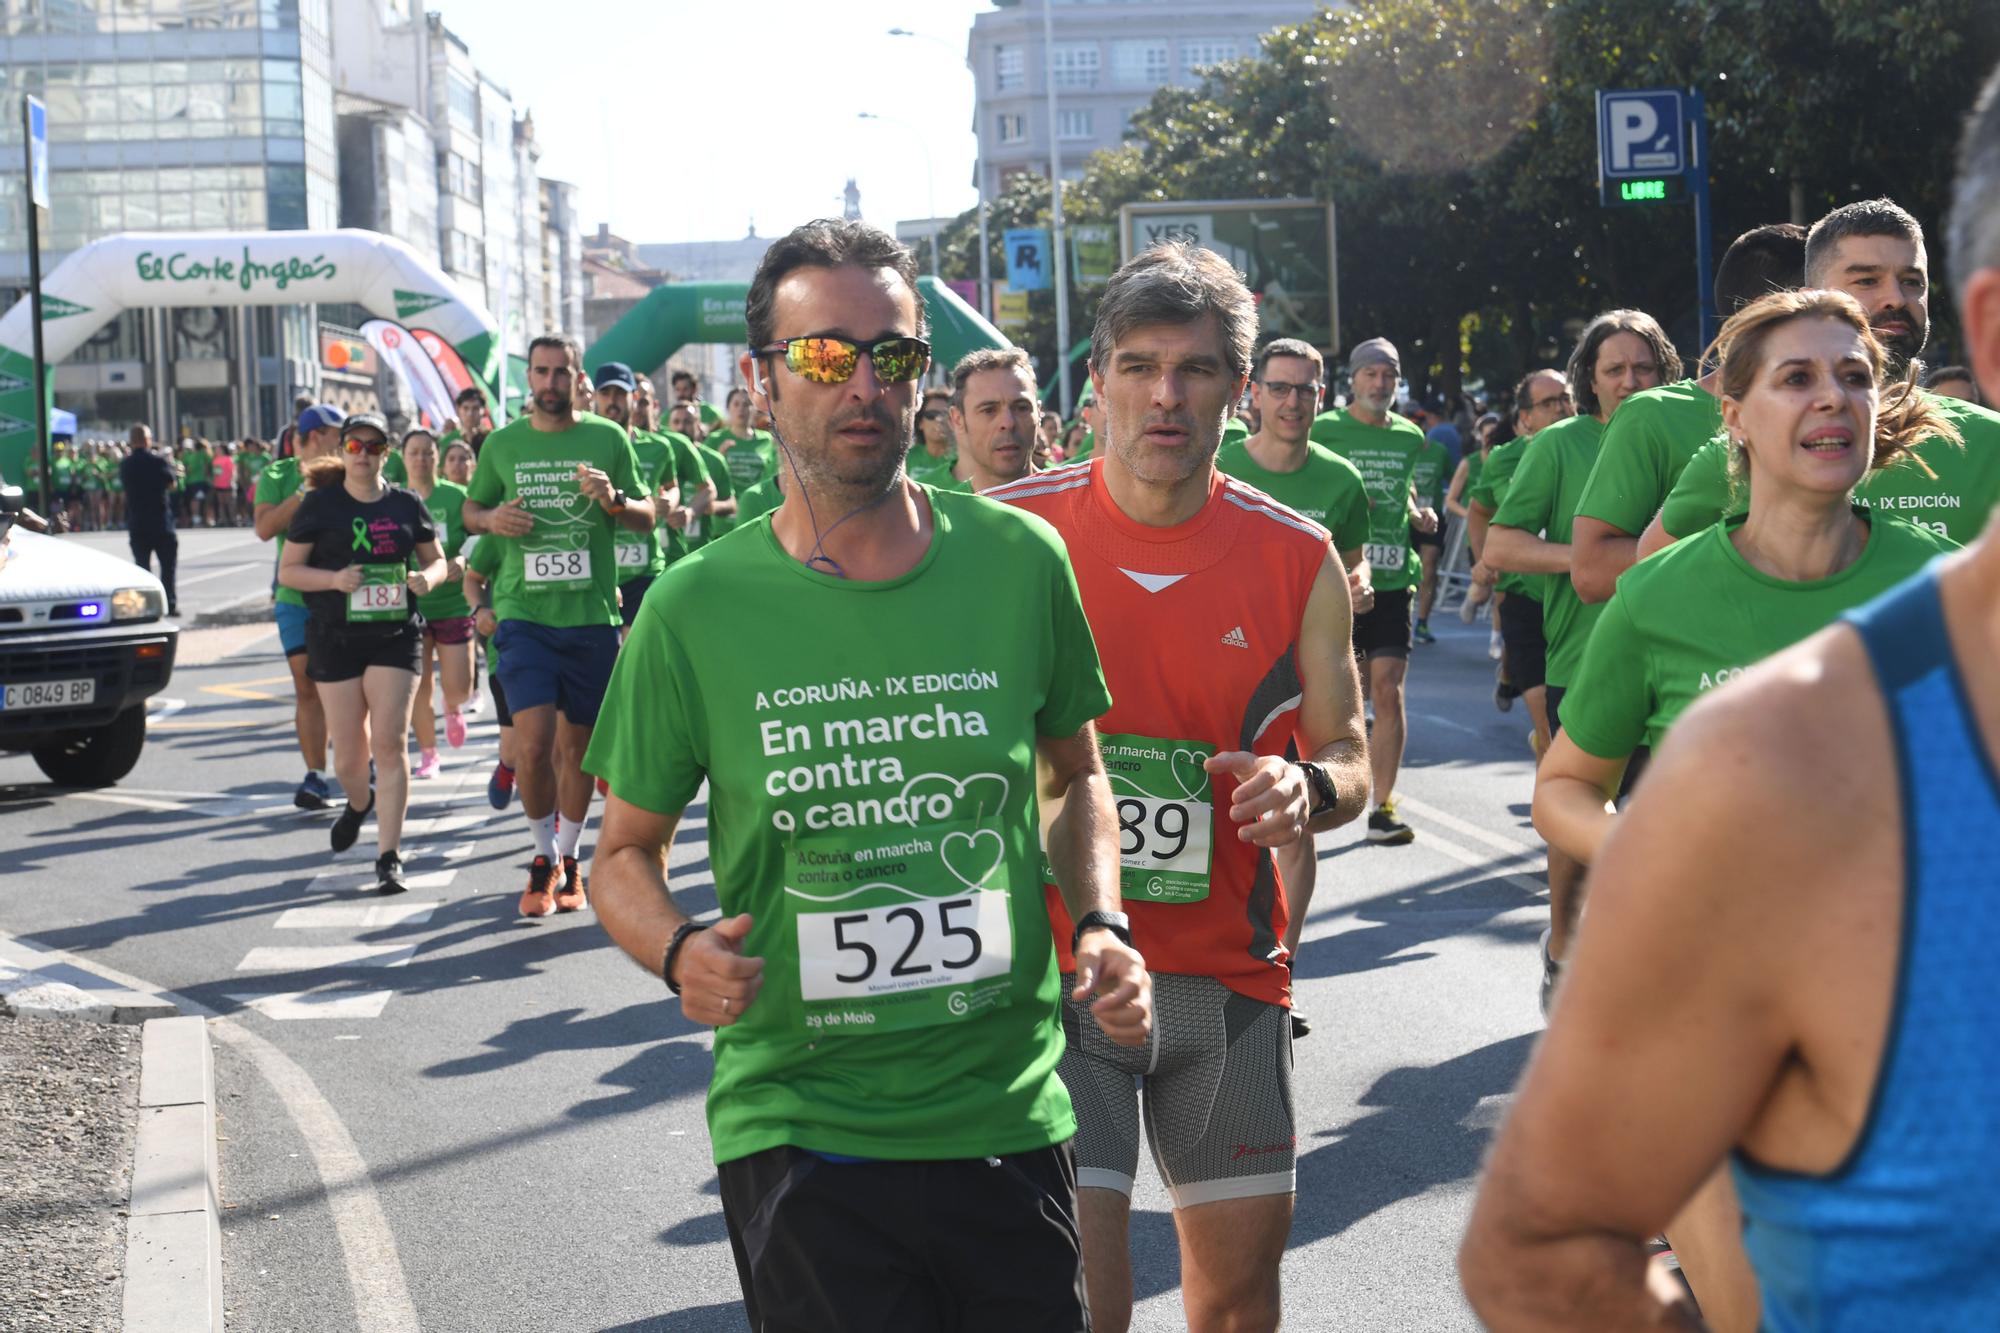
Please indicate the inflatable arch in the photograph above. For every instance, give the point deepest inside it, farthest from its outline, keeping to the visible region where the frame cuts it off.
(135, 270)
(677, 314)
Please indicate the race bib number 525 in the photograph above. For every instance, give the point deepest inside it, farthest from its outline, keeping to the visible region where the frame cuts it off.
(907, 935)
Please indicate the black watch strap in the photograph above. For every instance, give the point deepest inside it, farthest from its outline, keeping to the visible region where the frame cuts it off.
(1116, 922)
(681, 935)
(1324, 794)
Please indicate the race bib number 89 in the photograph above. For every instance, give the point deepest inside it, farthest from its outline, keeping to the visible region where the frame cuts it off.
(1166, 817)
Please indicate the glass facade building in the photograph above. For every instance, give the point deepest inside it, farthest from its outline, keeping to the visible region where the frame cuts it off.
(174, 115)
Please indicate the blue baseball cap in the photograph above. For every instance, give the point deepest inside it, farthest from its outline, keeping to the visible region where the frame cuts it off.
(320, 416)
(615, 375)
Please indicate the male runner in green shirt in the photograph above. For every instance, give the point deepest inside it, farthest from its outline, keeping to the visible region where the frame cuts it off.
(883, 978)
(1384, 448)
(994, 417)
(554, 487)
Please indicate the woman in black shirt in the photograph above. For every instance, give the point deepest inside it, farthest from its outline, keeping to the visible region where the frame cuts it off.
(350, 550)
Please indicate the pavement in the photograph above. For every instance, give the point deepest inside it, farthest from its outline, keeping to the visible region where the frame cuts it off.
(435, 1116)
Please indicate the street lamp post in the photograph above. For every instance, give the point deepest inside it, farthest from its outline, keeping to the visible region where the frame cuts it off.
(1060, 273)
(930, 177)
(979, 180)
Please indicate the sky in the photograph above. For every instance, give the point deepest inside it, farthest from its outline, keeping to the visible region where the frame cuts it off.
(645, 106)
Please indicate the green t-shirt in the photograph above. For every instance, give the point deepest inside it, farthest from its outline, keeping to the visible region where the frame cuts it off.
(564, 572)
(1697, 615)
(1235, 431)
(1488, 489)
(921, 466)
(1954, 498)
(1431, 478)
(199, 464)
(692, 474)
(64, 468)
(641, 554)
(1328, 489)
(708, 528)
(871, 805)
(393, 470)
(759, 500)
(1542, 500)
(278, 483)
(1647, 442)
(482, 557)
(250, 467)
(447, 509)
(1475, 463)
(1387, 459)
(90, 474)
(751, 458)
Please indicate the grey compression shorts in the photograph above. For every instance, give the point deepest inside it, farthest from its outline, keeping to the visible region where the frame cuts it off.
(1215, 1080)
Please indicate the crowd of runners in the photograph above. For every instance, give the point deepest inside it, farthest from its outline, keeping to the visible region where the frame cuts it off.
(1016, 738)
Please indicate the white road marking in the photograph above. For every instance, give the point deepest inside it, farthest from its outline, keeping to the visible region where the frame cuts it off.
(1435, 720)
(159, 707)
(330, 880)
(367, 1245)
(313, 958)
(355, 916)
(374, 1269)
(224, 572)
(142, 802)
(1479, 861)
(290, 1006)
(1499, 841)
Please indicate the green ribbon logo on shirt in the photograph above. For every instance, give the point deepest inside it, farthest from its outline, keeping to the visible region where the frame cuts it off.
(361, 542)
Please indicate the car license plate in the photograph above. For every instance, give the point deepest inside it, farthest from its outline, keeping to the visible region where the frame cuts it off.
(47, 694)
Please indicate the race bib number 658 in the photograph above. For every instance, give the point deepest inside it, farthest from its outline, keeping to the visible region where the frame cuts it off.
(556, 566)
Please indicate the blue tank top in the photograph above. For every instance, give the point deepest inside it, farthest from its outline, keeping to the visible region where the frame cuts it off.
(1905, 1235)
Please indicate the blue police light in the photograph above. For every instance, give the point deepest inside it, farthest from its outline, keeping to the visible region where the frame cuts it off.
(89, 610)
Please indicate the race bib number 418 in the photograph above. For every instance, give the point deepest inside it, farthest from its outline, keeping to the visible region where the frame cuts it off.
(1385, 556)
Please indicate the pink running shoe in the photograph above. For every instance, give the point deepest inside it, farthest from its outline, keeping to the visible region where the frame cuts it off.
(427, 765)
(454, 729)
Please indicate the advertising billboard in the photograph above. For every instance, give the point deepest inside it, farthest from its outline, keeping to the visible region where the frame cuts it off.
(1284, 247)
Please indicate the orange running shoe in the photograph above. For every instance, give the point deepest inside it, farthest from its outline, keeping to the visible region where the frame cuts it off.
(535, 899)
(569, 897)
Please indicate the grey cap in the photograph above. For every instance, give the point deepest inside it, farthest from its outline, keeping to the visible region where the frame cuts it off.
(1375, 352)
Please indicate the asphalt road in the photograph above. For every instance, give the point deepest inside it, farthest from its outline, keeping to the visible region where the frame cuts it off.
(437, 1116)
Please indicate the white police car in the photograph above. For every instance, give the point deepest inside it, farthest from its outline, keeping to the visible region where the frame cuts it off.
(84, 641)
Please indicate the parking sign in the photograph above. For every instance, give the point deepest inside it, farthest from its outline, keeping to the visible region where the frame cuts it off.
(1641, 132)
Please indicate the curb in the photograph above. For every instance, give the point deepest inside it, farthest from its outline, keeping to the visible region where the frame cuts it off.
(173, 1238)
(47, 983)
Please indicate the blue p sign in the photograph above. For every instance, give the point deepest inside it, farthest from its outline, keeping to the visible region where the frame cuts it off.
(1641, 132)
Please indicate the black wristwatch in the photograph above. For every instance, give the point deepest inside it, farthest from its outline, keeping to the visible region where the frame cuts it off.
(1324, 794)
(681, 934)
(1116, 922)
(619, 500)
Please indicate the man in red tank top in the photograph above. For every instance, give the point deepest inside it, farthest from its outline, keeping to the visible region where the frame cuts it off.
(1223, 621)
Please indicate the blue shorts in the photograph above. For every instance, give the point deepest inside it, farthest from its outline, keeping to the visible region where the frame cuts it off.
(570, 668)
(291, 628)
(630, 594)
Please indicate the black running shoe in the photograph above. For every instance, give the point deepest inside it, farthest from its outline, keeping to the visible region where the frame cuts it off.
(389, 874)
(1385, 829)
(1301, 1025)
(348, 827)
